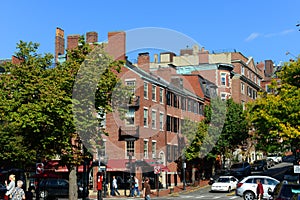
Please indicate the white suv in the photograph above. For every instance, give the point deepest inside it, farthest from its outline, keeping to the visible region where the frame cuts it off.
(246, 188)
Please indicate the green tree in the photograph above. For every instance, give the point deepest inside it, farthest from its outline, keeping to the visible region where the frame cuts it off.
(276, 115)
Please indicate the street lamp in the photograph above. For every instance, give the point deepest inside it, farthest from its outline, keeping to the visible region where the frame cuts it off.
(183, 170)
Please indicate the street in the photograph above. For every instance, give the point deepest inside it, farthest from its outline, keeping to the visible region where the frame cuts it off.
(205, 193)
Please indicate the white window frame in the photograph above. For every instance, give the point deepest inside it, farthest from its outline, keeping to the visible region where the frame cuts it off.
(223, 76)
(161, 121)
(146, 117)
(154, 145)
(243, 70)
(153, 93)
(153, 119)
(242, 88)
(127, 115)
(146, 148)
(132, 147)
(146, 90)
(161, 95)
(127, 81)
(223, 98)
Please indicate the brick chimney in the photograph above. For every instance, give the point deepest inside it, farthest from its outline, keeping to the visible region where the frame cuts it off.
(116, 45)
(203, 56)
(91, 37)
(268, 68)
(143, 61)
(59, 42)
(72, 41)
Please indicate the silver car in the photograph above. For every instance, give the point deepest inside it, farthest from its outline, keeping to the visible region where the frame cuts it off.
(246, 188)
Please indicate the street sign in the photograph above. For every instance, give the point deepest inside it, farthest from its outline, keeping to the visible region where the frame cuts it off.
(157, 169)
(297, 169)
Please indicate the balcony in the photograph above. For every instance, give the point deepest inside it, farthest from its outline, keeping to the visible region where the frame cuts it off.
(129, 133)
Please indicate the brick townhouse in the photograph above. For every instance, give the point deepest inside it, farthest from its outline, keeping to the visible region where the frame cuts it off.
(150, 137)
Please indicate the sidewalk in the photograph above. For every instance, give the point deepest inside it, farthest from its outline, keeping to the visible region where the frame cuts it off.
(176, 190)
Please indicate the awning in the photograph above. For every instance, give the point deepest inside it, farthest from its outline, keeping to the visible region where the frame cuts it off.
(117, 165)
(154, 164)
(54, 165)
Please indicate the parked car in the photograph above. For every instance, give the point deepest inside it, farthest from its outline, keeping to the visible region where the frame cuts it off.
(290, 158)
(276, 157)
(224, 184)
(2, 190)
(246, 188)
(290, 177)
(259, 165)
(285, 191)
(240, 169)
(270, 162)
(53, 188)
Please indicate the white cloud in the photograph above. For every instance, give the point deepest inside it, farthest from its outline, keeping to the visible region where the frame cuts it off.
(252, 36)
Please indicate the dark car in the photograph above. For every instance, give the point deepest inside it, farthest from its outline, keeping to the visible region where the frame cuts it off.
(240, 169)
(53, 188)
(285, 191)
(289, 175)
(259, 165)
(2, 190)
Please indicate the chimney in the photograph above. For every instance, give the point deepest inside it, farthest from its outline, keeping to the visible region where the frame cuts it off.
(91, 37)
(72, 41)
(268, 68)
(116, 45)
(166, 57)
(16, 61)
(59, 43)
(144, 61)
(203, 56)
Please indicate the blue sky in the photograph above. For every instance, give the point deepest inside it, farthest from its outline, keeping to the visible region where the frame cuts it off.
(263, 29)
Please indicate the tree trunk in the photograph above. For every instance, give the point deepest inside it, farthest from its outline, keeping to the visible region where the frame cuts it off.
(73, 193)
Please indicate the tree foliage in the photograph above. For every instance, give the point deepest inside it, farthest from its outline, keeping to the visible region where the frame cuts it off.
(276, 115)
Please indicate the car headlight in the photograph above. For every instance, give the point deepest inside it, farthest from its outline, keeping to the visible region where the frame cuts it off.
(80, 188)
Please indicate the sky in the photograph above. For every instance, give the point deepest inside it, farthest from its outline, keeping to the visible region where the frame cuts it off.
(262, 29)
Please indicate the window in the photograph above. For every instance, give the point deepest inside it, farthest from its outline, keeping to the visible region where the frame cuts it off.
(223, 79)
(129, 117)
(145, 117)
(145, 148)
(175, 152)
(153, 119)
(168, 98)
(169, 153)
(242, 88)
(153, 92)
(153, 149)
(145, 90)
(168, 123)
(223, 96)
(161, 95)
(243, 70)
(129, 148)
(161, 121)
(183, 103)
(131, 85)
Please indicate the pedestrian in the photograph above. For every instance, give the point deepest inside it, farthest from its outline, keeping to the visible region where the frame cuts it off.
(18, 193)
(146, 190)
(115, 186)
(259, 190)
(10, 187)
(135, 187)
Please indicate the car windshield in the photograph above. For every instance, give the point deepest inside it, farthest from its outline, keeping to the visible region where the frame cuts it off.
(223, 180)
(238, 165)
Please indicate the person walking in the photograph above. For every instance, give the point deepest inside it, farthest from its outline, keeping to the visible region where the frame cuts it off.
(18, 193)
(259, 190)
(146, 190)
(115, 186)
(10, 187)
(135, 187)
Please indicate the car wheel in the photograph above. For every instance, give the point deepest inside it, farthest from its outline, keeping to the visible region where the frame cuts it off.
(229, 189)
(44, 194)
(249, 195)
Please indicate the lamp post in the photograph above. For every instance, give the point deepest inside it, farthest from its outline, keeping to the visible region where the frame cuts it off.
(183, 170)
